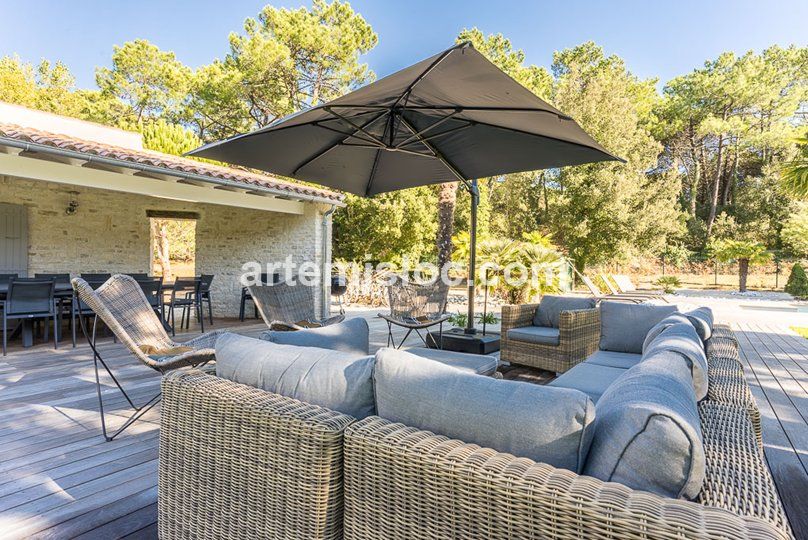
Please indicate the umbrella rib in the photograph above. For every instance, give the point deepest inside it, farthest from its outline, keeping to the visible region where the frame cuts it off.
(348, 135)
(323, 152)
(357, 127)
(440, 157)
(437, 135)
(429, 127)
(426, 72)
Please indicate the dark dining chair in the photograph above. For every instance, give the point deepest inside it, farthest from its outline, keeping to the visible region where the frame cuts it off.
(204, 294)
(185, 295)
(141, 275)
(31, 299)
(102, 277)
(5, 278)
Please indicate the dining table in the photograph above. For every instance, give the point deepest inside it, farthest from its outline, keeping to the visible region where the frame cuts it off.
(62, 291)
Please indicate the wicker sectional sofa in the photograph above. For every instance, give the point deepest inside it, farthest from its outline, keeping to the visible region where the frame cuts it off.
(241, 462)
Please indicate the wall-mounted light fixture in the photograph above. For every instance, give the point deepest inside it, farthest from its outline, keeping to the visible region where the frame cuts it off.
(73, 204)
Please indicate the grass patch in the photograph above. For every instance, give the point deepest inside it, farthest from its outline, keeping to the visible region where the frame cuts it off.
(801, 330)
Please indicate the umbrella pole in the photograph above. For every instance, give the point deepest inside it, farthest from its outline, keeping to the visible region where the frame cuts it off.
(474, 191)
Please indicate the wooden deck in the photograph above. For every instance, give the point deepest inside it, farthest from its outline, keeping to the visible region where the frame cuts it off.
(59, 479)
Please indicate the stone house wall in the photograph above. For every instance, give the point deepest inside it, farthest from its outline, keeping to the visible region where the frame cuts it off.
(110, 233)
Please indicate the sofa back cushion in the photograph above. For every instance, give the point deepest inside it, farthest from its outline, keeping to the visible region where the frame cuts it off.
(676, 318)
(683, 339)
(647, 430)
(549, 425)
(336, 380)
(702, 319)
(623, 326)
(550, 307)
(351, 336)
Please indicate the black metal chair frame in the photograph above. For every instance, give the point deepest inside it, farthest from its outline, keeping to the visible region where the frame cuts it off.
(204, 294)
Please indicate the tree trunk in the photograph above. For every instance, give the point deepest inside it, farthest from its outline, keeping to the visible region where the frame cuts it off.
(161, 244)
(729, 182)
(716, 186)
(447, 197)
(743, 272)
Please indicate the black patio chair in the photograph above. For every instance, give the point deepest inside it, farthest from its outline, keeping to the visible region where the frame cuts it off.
(245, 294)
(102, 277)
(5, 278)
(204, 294)
(416, 307)
(137, 275)
(31, 299)
(185, 295)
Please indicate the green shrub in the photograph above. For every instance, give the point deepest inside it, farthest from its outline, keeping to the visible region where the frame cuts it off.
(797, 284)
(669, 283)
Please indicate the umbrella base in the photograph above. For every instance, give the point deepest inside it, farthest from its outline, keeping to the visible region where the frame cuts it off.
(456, 339)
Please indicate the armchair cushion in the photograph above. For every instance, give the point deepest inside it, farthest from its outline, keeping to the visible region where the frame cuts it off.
(545, 424)
(591, 379)
(648, 432)
(623, 327)
(550, 307)
(543, 335)
(352, 336)
(338, 380)
(683, 339)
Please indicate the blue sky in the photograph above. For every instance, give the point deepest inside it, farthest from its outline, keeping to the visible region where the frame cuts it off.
(657, 39)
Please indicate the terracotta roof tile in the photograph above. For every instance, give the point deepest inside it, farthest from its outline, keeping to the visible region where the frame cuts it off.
(158, 159)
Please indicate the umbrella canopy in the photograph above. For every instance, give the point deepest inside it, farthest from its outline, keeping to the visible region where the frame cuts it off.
(454, 116)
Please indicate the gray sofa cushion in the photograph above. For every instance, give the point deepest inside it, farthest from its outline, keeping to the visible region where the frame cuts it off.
(683, 339)
(648, 433)
(623, 327)
(550, 425)
(544, 335)
(676, 318)
(550, 307)
(479, 364)
(352, 335)
(591, 379)
(622, 360)
(333, 379)
(702, 319)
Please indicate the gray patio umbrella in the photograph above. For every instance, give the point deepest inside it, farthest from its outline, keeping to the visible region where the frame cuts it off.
(454, 116)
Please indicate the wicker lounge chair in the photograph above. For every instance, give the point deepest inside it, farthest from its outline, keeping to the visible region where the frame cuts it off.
(285, 306)
(122, 306)
(416, 307)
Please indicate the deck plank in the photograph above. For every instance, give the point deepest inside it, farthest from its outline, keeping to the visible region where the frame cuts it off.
(59, 479)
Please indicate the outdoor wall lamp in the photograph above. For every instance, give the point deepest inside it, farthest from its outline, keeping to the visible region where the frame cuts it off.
(73, 205)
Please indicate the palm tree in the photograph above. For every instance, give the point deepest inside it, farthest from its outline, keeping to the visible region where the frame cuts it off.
(795, 173)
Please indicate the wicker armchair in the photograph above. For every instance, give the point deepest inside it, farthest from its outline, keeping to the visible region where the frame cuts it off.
(579, 333)
(284, 306)
(239, 462)
(122, 306)
(416, 307)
